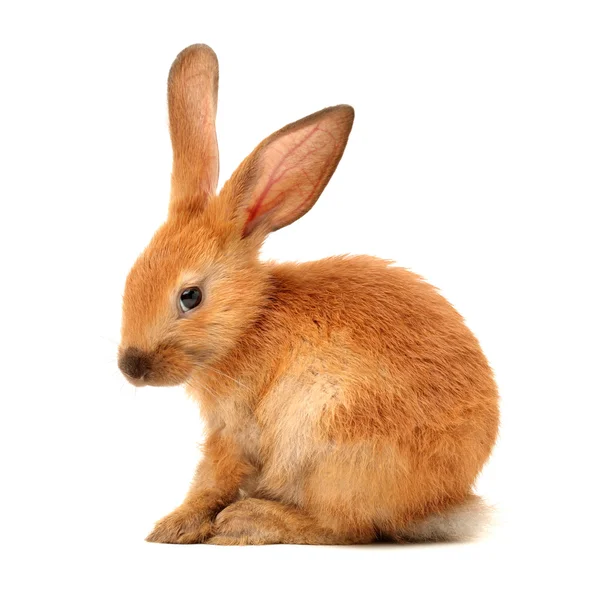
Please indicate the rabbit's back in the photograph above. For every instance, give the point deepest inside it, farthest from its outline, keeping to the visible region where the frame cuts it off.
(381, 328)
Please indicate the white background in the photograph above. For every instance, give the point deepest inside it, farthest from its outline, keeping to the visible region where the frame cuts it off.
(474, 161)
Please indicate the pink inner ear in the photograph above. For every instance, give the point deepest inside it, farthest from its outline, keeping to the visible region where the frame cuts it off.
(293, 168)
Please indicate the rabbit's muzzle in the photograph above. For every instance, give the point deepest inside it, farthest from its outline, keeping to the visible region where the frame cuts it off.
(165, 365)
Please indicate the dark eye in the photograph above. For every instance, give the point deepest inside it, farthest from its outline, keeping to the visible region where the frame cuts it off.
(190, 298)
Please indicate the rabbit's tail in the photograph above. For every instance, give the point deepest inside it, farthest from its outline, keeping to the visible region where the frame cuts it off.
(457, 524)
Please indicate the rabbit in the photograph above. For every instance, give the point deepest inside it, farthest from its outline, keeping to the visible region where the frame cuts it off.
(345, 401)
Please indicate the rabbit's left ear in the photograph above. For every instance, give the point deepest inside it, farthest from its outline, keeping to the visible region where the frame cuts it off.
(193, 85)
(284, 176)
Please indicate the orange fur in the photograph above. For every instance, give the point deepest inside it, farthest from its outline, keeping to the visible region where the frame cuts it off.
(344, 399)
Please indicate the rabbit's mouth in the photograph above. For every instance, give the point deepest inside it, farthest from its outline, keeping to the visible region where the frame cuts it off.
(165, 366)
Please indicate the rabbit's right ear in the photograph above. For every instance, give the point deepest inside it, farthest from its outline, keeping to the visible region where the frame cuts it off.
(284, 176)
(193, 85)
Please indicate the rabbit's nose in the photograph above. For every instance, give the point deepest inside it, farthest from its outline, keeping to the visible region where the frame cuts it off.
(135, 363)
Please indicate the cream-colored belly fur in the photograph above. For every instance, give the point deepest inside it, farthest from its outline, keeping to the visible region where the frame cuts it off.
(284, 437)
(292, 438)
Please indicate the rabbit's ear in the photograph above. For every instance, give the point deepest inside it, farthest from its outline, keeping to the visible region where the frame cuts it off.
(193, 85)
(285, 175)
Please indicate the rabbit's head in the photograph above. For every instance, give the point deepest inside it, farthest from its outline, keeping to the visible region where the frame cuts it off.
(199, 284)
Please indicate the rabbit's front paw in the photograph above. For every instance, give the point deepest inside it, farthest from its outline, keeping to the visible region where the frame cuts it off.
(185, 525)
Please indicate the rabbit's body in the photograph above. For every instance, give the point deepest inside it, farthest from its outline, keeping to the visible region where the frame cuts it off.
(366, 432)
(344, 399)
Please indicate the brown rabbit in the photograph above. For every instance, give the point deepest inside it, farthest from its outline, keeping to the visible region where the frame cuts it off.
(345, 400)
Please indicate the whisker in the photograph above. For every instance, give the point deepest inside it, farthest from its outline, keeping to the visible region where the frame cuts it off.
(204, 366)
(206, 389)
